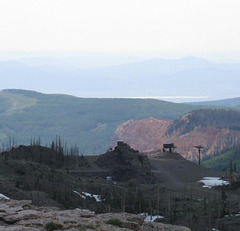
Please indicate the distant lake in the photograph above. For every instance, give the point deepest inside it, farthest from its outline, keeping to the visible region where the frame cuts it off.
(177, 99)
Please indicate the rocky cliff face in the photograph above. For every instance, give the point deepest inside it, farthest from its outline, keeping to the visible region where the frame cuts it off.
(22, 215)
(150, 134)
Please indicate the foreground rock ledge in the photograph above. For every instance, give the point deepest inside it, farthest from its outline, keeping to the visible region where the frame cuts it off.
(16, 215)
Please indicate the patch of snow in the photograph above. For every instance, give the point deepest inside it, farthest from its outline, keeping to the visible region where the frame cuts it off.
(233, 215)
(84, 195)
(210, 182)
(4, 197)
(153, 218)
(213, 229)
(79, 194)
(150, 218)
(206, 186)
(87, 194)
(97, 197)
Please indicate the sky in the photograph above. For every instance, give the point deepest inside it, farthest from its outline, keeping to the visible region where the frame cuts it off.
(100, 33)
(163, 27)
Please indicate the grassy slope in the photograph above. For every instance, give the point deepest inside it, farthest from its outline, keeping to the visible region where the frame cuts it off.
(90, 123)
(11, 103)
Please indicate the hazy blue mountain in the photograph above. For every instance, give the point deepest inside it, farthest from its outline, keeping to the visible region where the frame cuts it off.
(157, 77)
(234, 102)
(79, 60)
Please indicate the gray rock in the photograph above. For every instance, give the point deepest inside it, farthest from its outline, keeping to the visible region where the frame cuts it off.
(22, 215)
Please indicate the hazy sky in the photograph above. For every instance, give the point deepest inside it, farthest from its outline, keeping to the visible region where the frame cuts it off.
(126, 26)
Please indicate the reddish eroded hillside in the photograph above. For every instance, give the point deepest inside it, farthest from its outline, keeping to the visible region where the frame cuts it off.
(150, 134)
(143, 135)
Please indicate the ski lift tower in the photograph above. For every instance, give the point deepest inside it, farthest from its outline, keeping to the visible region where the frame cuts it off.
(199, 147)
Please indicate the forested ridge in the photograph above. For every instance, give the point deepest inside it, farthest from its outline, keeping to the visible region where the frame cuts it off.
(88, 122)
(222, 161)
(218, 118)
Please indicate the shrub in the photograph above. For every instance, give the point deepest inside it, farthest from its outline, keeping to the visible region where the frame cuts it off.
(81, 227)
(116, 222)
(91, 226)
(53, 226)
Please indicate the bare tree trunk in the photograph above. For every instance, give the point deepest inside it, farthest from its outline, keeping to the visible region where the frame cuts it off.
(123, 200)
(169, 203)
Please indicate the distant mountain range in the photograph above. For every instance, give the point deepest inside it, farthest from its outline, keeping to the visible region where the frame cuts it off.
(188, 76)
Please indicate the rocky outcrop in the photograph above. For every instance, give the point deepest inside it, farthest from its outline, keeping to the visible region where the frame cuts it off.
(150, 134)
(125, 163)
(22, 215)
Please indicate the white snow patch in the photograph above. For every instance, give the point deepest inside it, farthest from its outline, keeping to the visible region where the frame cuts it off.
(237, 214)
(233, 215)
(150, 218)
(84, 195)
(4, 197)
(97, 197)
(79, 194)
(87, 194)
(210, 182)
(153, 218)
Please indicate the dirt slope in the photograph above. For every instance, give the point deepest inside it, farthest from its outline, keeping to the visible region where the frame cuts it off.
(173, 170)
(151, 133)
